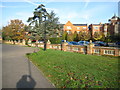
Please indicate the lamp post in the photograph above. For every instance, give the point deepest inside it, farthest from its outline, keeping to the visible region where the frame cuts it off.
(61, 38)
(61, 42)
(45, 35)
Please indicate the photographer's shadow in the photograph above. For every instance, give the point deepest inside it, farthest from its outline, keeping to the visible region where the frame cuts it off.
(26, 81)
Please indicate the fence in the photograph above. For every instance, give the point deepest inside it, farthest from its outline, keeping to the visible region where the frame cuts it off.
(88, 49)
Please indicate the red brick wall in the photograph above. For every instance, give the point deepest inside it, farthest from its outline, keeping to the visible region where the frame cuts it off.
(81, 49)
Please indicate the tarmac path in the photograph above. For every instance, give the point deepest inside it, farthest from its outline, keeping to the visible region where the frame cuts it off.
(18, 71)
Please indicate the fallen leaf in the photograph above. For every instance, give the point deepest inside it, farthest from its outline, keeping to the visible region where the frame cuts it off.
(49, 75)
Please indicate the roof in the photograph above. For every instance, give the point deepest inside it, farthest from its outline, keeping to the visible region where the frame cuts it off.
(114, 16)
(80, 24)
(76, 24)
(95, 24)
(61, 24)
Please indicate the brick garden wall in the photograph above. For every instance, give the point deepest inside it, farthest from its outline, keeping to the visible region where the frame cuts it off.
(89, 49)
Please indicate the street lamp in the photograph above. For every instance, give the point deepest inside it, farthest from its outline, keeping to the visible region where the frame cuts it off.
(61, 38)
(45, 34)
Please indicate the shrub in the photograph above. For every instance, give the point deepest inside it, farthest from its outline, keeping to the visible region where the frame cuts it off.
(55, 40)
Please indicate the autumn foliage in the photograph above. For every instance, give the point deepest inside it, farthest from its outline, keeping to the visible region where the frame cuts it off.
(14, 30)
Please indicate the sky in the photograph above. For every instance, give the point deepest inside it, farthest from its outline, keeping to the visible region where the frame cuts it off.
(78, 12)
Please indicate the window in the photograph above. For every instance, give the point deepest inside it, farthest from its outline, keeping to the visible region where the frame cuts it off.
(59, 47)
(109, 52)
(105, 33)
(78, 32)
(42, 45)
(96, 28)
(55, 47)
(96, 51)
(69, 48)
(78, 28)
(69, 27)
(105, 28)
(68, 32)
(75, 49)
(84, 27)
(82, 49)
(50, 46)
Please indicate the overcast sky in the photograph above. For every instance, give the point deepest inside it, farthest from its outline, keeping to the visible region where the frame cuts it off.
(74, 11)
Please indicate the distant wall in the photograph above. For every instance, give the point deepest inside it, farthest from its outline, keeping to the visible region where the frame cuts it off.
(89, 49)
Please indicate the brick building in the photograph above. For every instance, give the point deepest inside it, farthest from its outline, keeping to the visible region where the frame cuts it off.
(113, 27)
(95, 28)
(71, 28)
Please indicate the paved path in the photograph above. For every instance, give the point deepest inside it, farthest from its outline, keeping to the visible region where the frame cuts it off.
(18, 72)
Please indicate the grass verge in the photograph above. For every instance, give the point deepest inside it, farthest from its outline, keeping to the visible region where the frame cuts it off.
(74, 70)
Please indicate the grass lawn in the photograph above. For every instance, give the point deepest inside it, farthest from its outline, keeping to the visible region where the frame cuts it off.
(74, 70)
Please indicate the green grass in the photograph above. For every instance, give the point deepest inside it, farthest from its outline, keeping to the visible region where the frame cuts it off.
(74, 70)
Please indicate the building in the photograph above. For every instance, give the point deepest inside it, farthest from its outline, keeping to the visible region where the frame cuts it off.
(95, 28)
(92, 28)
(71, 28)
(114, 25)
(105, 29)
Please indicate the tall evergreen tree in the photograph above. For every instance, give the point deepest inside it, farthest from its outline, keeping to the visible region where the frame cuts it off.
(44, 24)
